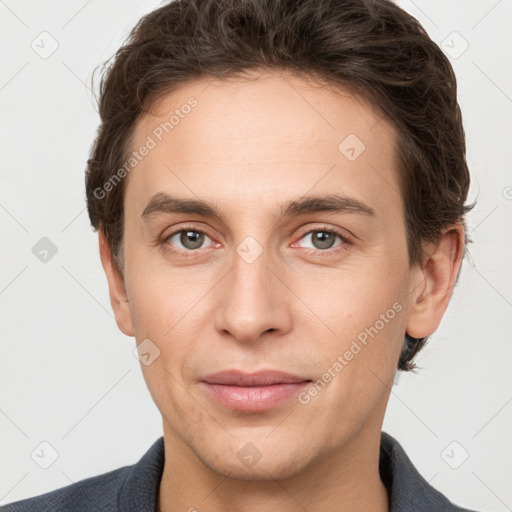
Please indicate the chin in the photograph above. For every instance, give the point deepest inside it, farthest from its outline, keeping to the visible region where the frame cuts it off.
(248, 463)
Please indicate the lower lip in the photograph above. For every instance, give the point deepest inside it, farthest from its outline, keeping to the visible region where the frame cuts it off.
(255, 398)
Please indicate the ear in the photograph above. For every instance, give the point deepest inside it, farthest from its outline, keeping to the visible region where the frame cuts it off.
(117, 290)
(437, 277)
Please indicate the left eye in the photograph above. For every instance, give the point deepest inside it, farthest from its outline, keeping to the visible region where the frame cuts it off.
(190, 239)
(322, 239)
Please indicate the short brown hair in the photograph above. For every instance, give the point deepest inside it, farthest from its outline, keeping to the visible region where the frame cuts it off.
(371, 47)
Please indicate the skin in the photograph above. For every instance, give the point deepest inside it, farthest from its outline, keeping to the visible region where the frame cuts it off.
(250, 146)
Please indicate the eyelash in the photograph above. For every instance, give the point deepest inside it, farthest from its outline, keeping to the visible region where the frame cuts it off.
(346, 240)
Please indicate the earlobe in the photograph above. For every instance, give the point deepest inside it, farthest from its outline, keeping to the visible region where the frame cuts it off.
(432, 292)
(117, 291)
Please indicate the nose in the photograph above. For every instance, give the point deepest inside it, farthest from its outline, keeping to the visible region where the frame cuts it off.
(252, 301)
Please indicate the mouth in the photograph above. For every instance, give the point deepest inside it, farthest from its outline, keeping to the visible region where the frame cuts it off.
(252, 392)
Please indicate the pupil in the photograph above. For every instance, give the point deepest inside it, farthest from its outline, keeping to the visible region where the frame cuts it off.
(323, 239)
(191, 239)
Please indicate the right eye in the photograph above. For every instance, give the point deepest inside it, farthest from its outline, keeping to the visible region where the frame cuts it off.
(190, 239)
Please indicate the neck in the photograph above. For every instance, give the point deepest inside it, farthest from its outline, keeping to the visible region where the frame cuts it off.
(344, 480)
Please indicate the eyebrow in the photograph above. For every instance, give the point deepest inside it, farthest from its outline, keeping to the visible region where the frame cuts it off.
(333, 203)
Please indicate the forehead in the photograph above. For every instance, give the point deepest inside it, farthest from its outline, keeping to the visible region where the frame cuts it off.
(265, 137)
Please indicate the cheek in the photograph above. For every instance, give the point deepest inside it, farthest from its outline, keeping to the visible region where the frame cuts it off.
(358, 362)
(167, 307)
(345, 301)
(359, 324)
(161, 297)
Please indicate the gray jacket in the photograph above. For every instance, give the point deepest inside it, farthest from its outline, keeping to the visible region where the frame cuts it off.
(134, 488)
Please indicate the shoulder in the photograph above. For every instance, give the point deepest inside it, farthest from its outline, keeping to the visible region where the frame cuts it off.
(407, 488)
(99, 492)
(128, 489)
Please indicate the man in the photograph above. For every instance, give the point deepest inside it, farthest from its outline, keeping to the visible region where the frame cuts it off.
(279, 190)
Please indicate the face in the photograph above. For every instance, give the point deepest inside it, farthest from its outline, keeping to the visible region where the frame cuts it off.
(266, 277)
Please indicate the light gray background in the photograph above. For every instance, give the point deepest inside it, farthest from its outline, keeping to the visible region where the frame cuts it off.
(69, 377)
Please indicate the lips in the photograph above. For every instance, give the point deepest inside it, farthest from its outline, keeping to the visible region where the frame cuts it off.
(260, 378)
(252, 392)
